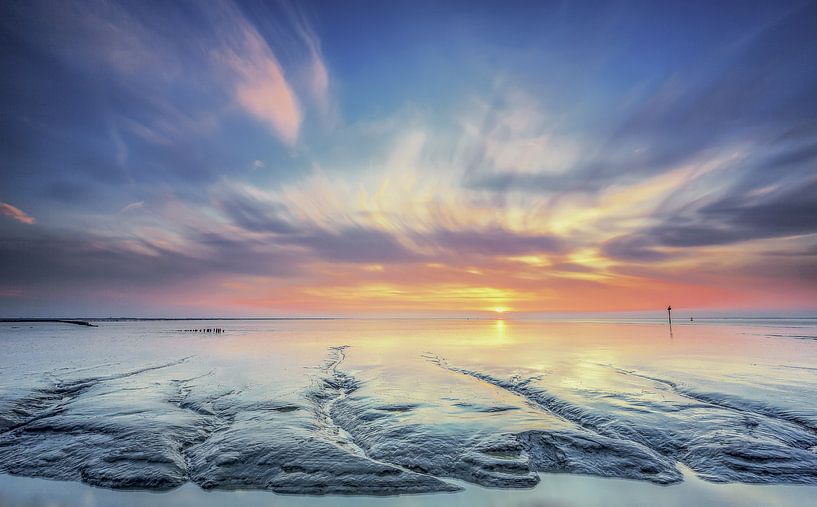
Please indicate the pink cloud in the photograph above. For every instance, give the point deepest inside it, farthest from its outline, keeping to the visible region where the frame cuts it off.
(16, 213)
(262, 88)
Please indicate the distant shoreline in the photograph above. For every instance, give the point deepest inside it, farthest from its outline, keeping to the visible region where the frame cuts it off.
(87, 321)
(75, 322)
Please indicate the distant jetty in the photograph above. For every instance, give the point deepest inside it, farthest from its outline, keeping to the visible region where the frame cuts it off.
(58, 321)
(206, 330)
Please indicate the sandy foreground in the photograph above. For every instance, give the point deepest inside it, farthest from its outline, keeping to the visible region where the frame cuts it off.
(412, 412)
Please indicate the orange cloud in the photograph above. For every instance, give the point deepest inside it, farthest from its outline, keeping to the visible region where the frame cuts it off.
(16, 213)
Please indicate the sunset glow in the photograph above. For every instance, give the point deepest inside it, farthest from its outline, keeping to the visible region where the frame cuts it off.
(247, 161)
(425, 252)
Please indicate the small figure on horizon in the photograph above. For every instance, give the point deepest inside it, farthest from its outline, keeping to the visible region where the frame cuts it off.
(669, 314)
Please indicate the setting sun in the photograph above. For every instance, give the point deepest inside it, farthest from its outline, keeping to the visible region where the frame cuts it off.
(446, 249)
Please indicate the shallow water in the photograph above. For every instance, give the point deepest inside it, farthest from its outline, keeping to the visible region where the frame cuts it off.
(386, 407)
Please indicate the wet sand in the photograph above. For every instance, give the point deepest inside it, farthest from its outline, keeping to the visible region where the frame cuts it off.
(561, 412)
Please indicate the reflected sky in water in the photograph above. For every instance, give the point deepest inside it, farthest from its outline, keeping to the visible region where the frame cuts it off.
(705, 396)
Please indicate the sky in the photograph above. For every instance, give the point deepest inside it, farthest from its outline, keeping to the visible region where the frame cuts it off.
(406, 158)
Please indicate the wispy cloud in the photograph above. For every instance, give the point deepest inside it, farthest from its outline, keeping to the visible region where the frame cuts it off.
(318, 74)
(261, 86)
(132, 206)
(16, 213)
(600, 167)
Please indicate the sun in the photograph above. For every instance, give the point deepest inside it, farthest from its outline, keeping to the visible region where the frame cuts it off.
(500, 309)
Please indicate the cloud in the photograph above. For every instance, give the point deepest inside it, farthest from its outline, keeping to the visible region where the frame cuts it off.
(317, 72)
(728, 99)
(492, 242)
(355, 244)
(651, 167)
(261, 86)
(16, 213)
(254, 215)
(132, 206)
(319, 81)
(633, 248)
(50, 260)
(728, 220)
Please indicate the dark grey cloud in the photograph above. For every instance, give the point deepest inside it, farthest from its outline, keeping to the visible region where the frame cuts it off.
(777, 270)
(240, 255)
(731, 219)
(354, 244)
(491, 242)
(571, 267)
(791, 212)
(804, 251)
(634, 248)
(255, 216)
(45, 260)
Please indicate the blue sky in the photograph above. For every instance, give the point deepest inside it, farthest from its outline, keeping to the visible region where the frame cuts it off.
(274, 158)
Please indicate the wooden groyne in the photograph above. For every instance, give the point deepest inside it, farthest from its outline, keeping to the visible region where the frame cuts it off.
(205, 330)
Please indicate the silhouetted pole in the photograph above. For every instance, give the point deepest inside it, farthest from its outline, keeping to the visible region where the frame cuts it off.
(669, 315)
